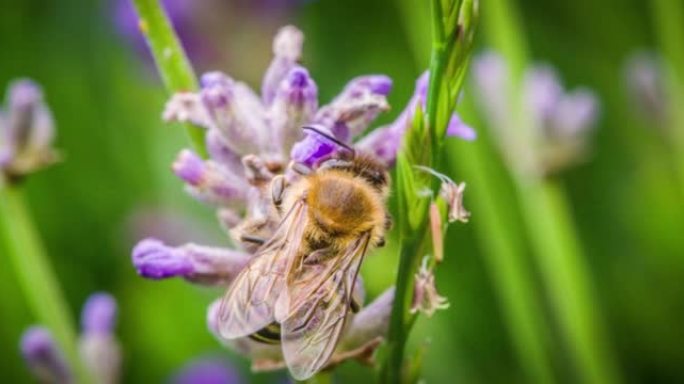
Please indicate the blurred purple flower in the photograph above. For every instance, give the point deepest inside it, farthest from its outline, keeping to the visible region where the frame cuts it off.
(26, 130)
(43, 356)
(564, 119)
(100, 350)
(99, 314)
(206, 371)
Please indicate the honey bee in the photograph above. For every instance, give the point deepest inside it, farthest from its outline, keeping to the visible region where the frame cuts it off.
(299, 287)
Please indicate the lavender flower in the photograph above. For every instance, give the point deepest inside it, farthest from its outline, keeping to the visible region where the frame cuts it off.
(99, 348)
(257, 146)
(206, 371)
(26, 130)
(44, 358)
(646, 86)
(564, 119)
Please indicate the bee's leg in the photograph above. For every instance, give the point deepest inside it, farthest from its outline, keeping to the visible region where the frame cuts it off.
(300, 168)
(388, 222)
(354, 305)
(334, 163)
(278, 185)
(252, 239)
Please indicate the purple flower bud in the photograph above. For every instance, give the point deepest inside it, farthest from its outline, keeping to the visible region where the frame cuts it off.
(208, 180)
(99, 348)
(154, 260)
(314, 148)
(294, 105)
(43, 356)
(287, 49)
(203, 265)
(99, 314)
(206, 371)
(27, 130)
(237, 113)
(361, 101)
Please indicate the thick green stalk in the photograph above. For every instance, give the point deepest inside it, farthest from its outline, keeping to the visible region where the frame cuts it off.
(172, 63)
(549, 222)
(32, 267)
(668, 17)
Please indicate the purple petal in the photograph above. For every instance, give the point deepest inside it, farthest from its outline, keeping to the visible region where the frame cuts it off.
(99, 314)
(314, 149)
(352, 111)
(294, 106)
(457, 128)
(154, 260)
(287, 49)
(189, 167)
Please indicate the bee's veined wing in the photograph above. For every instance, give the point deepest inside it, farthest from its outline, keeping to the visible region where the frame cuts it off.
(248, 304)
(319, 300)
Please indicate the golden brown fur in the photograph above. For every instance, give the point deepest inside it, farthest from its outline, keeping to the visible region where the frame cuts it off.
(344, 201)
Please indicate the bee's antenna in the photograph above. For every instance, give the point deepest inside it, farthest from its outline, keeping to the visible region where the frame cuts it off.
(329, 137)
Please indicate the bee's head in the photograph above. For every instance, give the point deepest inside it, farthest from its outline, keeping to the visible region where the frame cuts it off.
(363, 165)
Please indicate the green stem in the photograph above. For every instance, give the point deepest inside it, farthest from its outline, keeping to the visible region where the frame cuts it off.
(548, 220)
(668, 17)
(172, 62)
(400, 318)
(35, 275)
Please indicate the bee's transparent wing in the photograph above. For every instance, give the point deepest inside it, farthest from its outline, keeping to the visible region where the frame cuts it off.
(318, 301)
(248, 304)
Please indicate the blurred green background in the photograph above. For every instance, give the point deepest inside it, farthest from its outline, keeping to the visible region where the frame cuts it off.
(107, 102)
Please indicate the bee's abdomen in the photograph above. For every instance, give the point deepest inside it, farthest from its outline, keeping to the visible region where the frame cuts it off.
(270, 334)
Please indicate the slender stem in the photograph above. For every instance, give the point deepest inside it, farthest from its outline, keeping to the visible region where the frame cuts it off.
(668, 17)
(172, 62)
(549, 222)
(400, 318)
(35, 275)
